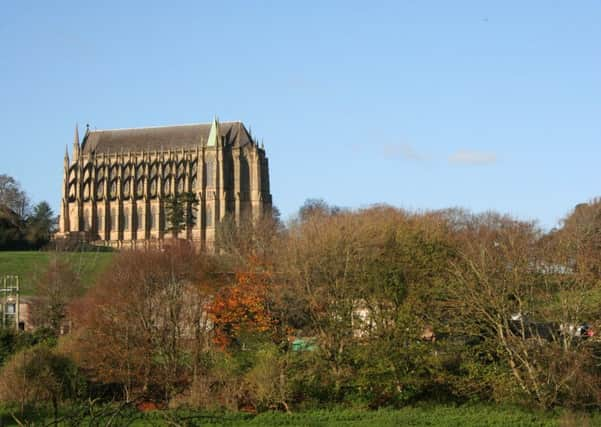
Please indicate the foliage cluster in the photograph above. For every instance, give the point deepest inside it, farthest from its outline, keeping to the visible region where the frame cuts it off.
(22, 227)
(377, 308)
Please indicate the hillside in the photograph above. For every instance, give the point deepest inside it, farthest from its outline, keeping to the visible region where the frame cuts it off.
(27, 263)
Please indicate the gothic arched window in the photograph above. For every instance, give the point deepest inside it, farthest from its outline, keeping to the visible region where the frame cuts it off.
(71, 192)
(100, 190)
(153, 188)
(153, 218)
(100, 221)
(140, 188)
(86, 191)
(126, 187)
(209, 216)
(125, 219)
(210, 173)
(113, 220)
(87, 172)
(180, 185)
(140, 219)
(167, 186)
(113, 189)
(86, 220)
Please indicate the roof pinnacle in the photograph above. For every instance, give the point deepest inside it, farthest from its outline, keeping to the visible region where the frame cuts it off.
(76, 143)
(214, 133)
(76, 137)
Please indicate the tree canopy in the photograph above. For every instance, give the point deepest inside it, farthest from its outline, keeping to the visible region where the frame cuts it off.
(23, 227)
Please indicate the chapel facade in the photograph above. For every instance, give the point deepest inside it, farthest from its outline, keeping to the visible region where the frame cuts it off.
(117, 182)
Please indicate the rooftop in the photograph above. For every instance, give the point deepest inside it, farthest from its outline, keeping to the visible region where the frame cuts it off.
(161, 138)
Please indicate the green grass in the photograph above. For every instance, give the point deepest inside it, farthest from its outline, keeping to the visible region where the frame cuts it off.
(410, 416)
(28, 263)
(485, 415)
(446, 416)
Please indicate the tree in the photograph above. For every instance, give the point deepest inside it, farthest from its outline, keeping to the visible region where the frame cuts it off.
(366, 281)
(55, 286)
(39, 374)
(248, 239)
(401, 275)
(268, 384)
(180, 212)
(508, 292)
(20, 228)
(580, 237)
(316, 207)
(40, 225)
(144, 325)
(12, 196)
(242, 308)
(12, 230)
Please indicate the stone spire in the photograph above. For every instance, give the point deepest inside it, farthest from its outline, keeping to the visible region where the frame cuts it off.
(214, 134)
(66, 156)
(76, 143)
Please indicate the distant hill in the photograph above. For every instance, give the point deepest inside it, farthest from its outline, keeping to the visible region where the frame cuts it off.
(27, 263)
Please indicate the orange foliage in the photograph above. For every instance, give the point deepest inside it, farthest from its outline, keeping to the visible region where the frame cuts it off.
(242, 307)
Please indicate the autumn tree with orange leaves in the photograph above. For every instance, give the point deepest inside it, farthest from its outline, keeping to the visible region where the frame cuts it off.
(243, 307)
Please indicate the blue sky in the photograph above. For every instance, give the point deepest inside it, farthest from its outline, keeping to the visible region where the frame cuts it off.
(419, 104)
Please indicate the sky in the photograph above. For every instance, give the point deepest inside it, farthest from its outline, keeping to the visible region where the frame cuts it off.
(417, 104)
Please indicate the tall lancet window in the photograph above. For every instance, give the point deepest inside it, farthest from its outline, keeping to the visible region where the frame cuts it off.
(125, 219)
(153, 218)
(100, 221)
(140, 221)
(209, 216)
(113, 220)
(210, 173)
(86, 220)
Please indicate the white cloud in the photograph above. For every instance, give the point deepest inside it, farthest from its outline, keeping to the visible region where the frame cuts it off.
(472, 158)
(405, 151)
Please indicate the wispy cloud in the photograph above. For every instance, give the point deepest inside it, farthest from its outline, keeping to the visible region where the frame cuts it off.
(472, 158)
(404, 151)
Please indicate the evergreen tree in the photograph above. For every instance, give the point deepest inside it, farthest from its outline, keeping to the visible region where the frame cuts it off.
(180, 212)
(40, 225)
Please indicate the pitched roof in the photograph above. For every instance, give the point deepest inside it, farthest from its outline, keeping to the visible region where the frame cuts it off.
(161, 138)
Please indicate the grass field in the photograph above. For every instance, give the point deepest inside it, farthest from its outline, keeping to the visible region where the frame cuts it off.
(431, 415)
(479, 415)
(27, 263)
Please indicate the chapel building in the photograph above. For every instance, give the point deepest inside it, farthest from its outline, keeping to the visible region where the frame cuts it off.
(117, 183)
